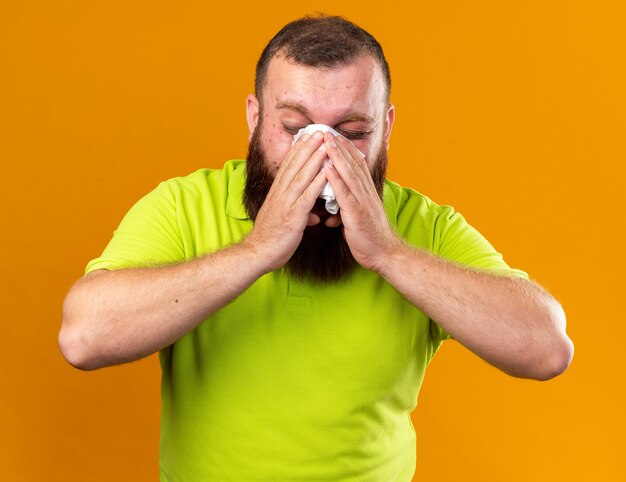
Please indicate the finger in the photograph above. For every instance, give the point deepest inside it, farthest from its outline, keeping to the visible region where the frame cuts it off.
(303, 179)
(353, 150)
(345, 197)
(357, 162)
(350, 173)
(304, 203)
(357, 156)
(297, 156)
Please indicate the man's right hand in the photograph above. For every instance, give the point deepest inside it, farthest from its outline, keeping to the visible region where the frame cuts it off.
(286, 212)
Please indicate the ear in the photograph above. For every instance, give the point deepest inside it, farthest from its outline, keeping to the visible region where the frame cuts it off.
(252, 114)
(389, 118)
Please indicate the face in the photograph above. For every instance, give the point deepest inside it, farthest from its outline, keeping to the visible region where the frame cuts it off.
(360, 114)
(349, 98)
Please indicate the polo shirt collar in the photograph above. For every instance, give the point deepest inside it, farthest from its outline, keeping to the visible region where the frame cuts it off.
(390, 205)
(234, 202)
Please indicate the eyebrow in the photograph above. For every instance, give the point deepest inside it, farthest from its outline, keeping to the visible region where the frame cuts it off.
(354, 117)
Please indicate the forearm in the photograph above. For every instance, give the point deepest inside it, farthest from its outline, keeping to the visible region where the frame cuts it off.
(511, 323)
(112, 317)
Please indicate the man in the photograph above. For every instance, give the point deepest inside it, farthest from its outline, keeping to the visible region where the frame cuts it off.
(293, 342)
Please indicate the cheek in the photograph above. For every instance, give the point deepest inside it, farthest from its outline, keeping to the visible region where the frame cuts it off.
(363, 145)
(276, 145)
(376, 144)
(369, 147)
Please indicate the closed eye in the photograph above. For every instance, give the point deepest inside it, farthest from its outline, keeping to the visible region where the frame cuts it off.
(353, 134)
(292, 130)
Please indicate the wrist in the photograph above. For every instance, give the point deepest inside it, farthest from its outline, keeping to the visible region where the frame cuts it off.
(256, 257)
(391, 257)
(402, 258)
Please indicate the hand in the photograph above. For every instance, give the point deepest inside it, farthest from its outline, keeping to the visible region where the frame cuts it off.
(286, 210)
(366, 227)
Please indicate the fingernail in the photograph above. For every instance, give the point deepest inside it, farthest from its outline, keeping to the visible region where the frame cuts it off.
(322, 147)
(305, 137)
(332, 143)
(318, 135)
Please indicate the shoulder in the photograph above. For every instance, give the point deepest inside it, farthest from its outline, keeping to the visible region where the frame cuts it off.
(418, 219)
(442, 230)
(217, 188)
(408, 208)
(205, 180)
(193, 195)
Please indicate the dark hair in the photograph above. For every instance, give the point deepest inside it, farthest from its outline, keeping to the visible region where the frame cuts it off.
(321, 41)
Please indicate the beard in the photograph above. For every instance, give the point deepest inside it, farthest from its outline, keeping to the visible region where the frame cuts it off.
(323, 255)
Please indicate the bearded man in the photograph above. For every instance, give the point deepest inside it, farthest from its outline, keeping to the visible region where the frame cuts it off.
(293, 341)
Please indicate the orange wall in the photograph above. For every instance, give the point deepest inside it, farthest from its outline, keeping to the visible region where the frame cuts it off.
(513, 112)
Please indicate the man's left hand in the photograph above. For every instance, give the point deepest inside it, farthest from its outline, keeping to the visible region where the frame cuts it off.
(365, 223)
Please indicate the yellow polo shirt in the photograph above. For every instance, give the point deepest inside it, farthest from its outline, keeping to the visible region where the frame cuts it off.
(291, 381)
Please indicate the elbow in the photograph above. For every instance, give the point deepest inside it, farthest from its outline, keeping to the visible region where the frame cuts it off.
(73, 341)
(559, 348)
(551, 353)
(557, 361)
(73, 349)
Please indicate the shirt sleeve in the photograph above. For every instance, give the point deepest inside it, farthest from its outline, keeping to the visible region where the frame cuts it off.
(148, 235)
(456, 240)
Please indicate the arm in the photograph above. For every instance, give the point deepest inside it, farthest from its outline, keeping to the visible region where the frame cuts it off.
(511, 323)
(112, 317)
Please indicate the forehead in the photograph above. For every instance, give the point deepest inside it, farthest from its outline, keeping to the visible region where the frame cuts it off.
(357, 87)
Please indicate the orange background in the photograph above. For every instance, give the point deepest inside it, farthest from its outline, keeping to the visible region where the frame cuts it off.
(513, 112)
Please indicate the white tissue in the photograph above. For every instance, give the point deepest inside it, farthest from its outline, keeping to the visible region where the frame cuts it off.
(327, 192)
